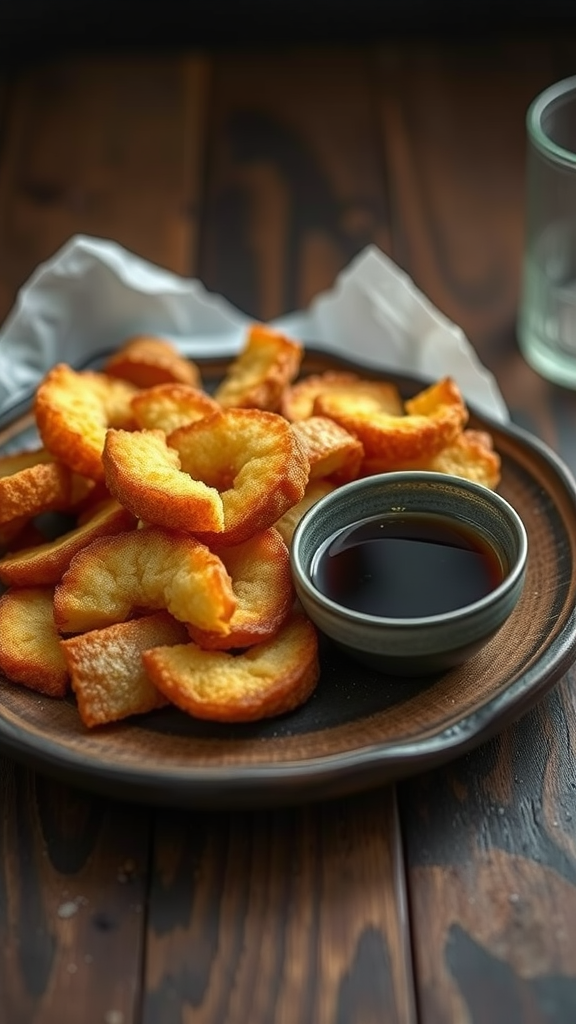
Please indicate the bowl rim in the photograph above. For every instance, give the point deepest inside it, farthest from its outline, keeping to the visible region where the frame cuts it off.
(510, 581)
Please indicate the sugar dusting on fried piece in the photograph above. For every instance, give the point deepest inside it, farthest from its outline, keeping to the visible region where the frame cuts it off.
(146, 361)
(431, 420)
(73, 412)
(107, 673)
(29, 643)
(152, 568)
(256, 379)
(255, 461)
(332, 451)
(267, 679)
(262, 583)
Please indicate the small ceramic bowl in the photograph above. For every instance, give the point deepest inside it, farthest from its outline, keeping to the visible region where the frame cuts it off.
(412, 572)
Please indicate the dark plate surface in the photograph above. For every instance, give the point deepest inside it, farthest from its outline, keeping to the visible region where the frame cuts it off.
(360, 729)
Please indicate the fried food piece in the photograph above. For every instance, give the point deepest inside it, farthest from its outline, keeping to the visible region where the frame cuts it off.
(268, 679)
(81, 488)
(151, 568)
(298, 400)
(169, 406)
(257, 377)
(147, 361)
(29, 643)
(24, 459)
(315, 490)
(331, 450)
(262, 582)
(73, 411)
(106, 670)
(433, 419)
(144, 473)
(39, 488)
(45, 563)
(254, 460)
(471, 455)
(13, 529)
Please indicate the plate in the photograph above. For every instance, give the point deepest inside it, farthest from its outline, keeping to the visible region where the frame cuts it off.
(360, 729)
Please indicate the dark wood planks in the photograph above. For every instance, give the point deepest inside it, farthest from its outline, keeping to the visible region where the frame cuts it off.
(452, 119)
(112, 147)
(491, 861)
(73, 881)
(295, 183)
(102, 145)
(490, 841)
(280, 916)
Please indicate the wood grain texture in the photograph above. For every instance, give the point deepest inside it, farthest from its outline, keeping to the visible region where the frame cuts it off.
(452, 119)
(490, 841)
(73, 884)
(108, 146)
(292, 916)
(295, 183)
(492, 863)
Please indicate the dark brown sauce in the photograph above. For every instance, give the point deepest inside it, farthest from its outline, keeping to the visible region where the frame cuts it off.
(406, 566)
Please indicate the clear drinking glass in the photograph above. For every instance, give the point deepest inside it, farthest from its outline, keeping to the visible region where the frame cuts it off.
(547, 312)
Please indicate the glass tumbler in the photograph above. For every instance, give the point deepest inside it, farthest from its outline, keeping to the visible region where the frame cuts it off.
(547, 310)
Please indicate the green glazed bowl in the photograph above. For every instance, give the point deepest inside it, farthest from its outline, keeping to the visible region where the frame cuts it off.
(420, 645)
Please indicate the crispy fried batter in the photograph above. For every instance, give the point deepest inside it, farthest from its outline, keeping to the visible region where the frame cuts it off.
(80, 493)
(29, 644)
(152, 568)
(268, 679)
(315, 490)
(176, 578)
(73, 411)
(46, 563)
(169, 406)
(298, 400)
(147, 361)
(29, 492)
(331, 450)
(107, 672)
(434, 418)
(255, 461)
(75, 494)
(471, 455)
(24, 459)
(145, 475)
(262, 582)
(257, 377)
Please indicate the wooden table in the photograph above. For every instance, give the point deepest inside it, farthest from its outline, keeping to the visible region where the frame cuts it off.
(449, 898)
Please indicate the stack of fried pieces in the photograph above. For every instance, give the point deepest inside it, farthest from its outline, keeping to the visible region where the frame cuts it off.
(171, 582)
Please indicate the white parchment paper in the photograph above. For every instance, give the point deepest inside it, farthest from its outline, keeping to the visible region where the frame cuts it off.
(93, 294)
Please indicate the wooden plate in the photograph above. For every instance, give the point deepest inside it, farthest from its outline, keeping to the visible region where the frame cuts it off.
(360, 729)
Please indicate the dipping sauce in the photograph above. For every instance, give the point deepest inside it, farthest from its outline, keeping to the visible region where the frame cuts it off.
(406, 566)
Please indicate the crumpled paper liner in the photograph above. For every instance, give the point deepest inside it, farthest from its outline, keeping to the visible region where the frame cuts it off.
(93, 294)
